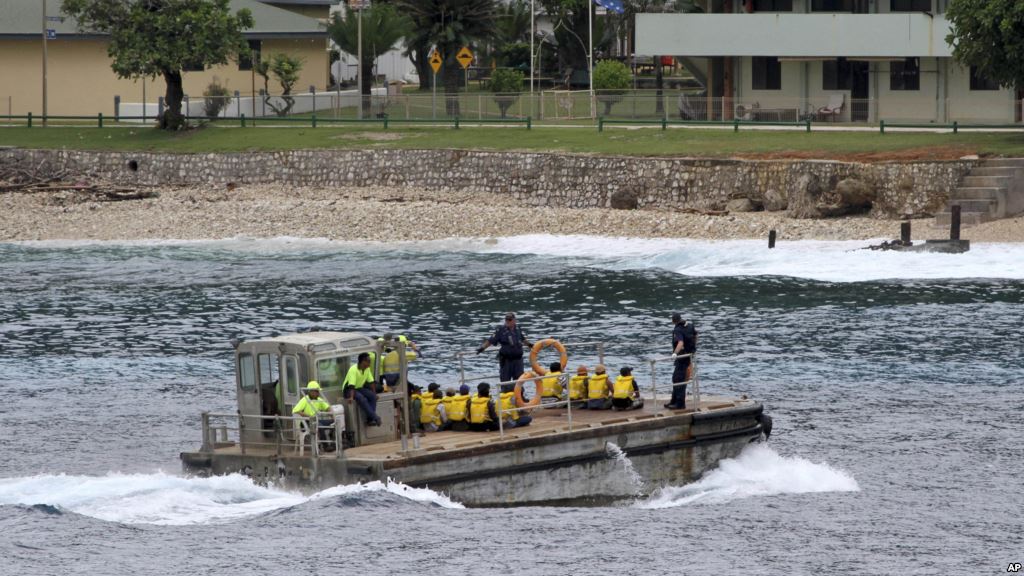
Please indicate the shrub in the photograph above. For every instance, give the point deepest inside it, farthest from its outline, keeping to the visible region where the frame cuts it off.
(612, 78)
(506, 85)
(215, 98)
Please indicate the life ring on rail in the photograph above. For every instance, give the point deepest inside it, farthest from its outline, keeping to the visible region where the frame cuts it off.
(542, 344)
(535, 401)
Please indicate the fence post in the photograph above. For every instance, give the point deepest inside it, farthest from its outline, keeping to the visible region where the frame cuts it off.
(29, 119)
(600, 123)
(955, 127)
(160, 107)
(735, 125)
(243, 119)
(385, 122)
(187, 107)
(312, 90)
(99, 120)
(529, 122)
(314, 119)
(881, 126)
(238, 102)
(664, 123)
(808, 124)
(456, 122)
(117, 108)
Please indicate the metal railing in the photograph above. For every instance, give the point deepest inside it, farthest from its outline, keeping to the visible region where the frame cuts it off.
(215, 433)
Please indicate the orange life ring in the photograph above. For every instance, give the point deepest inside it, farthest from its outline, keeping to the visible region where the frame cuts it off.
(535, 401)
(540, 345)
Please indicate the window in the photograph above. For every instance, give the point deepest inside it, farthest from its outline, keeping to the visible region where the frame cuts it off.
(193, 67)
(773, 5)
(291, 375)
(330, 372)
(767, 73)
(836, 75)
(905, 75)
(979, 82)
(245, 59)
(831, 6)
(910, 5)
(247, 371)
(268, 369)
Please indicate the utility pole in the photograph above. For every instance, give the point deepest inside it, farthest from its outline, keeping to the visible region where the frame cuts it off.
(359, 26)
(590, 58)
(44, 62)
(533, 38)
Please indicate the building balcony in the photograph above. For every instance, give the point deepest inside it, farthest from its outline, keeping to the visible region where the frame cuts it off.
(789, 35)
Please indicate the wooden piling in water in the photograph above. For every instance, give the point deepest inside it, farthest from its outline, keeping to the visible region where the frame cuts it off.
(771, 239)
(954, 222)
(905, 233)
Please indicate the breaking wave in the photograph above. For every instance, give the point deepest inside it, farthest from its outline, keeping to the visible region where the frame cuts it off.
(174, 500)
(757, 471)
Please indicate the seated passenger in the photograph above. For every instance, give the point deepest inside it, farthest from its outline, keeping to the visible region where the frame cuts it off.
(578, 388)
(457, 408)
(511, 417)
(481, 410)
(415, 407)
(598, 390)
(359, 385)
(625, 392)
(432, 414)
(390, 364)
(312, 405)
(552, 385)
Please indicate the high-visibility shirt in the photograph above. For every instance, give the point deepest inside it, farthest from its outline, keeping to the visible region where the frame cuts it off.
(356, 378)
(507, 403)
(623, 387)
(577, 387)
(597, 388)
(553, 385)
(478, 409)
(309, 407)
(456, 409)
(429, 412)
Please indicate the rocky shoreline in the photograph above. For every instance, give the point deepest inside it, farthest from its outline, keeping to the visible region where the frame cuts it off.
(403, 214)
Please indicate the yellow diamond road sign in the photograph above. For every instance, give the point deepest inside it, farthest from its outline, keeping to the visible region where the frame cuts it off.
(435, 62)
(465, 57)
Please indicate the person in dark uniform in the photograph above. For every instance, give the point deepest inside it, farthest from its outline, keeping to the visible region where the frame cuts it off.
(684, 341)
(511, 340)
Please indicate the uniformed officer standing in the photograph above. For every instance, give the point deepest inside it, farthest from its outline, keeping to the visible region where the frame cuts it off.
(684, 341)
(511, 341)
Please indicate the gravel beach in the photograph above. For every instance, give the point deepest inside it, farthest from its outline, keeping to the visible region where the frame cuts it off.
(390, 214)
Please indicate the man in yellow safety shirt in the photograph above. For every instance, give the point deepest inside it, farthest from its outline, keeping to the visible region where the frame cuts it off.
(359, 386)
(482, 417)
(598, 390)
(311, 404)
(626, 392)
(390, 365)
(511, 417)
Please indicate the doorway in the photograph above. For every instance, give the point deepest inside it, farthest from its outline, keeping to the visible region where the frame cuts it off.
(860, 91)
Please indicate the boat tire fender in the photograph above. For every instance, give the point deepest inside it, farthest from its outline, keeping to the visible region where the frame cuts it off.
(542, 344)
(766, 425)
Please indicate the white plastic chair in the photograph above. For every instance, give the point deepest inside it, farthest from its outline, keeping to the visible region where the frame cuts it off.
(834, 107)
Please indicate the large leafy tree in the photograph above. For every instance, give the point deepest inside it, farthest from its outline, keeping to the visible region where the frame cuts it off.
(383, 28)
(572, 29)
(150, 38)
(989, 35)
(448, 25)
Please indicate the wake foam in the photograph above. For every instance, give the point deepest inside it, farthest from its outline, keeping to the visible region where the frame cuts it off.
(757, 471)
(174, 500)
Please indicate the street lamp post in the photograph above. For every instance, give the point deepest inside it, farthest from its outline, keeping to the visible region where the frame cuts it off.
(44, 63)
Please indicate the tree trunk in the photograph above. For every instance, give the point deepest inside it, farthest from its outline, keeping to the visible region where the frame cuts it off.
(367, 85)
(659, 85)
(422, 64)
(450, 73)
(173, 118)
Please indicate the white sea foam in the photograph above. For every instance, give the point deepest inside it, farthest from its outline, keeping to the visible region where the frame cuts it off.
(757, 471)
(830, 261)
(175, 500)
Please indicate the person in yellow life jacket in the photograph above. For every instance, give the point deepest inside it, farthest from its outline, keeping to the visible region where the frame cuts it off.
(552, 385)
(390, 366)
(578, 388)
(626, 392)
(360, 386)
(415, 407)
(457, 408)
(599, 390)
(433, 416)
(312, 404)
(481, 410)
(512, 418)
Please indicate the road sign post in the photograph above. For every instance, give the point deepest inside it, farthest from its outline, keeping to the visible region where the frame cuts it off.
(435, 63)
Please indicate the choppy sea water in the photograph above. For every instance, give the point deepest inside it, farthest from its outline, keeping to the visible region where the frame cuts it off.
(894, 381)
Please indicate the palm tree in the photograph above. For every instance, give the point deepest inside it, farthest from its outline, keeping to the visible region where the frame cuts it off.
(383, 28)
(448, 25)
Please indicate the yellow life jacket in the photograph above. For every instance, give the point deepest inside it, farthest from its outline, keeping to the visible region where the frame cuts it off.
(457, 409)
(429, 412)
(391, 365)
(414, 397)
(508, 402)
(478, 413)
(623, 387)
(576, 387)
(553, 385)
(598, 387)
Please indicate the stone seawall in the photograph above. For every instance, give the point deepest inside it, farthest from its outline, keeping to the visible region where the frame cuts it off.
(806, 188)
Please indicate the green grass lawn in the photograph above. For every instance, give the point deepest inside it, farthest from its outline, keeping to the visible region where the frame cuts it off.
(584, 139)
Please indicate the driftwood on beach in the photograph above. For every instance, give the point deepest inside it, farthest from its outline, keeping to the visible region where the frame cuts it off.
(38, 179)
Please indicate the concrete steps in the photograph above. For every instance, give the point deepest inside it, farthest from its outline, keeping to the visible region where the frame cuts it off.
(992, 190)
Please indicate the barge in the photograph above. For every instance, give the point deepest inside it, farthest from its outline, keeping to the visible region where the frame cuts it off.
(565, 456)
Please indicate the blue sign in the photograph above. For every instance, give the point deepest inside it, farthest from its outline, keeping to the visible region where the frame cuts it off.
(612, 5)
(51, 34)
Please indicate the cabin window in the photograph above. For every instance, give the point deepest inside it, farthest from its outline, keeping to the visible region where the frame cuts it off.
(836, 74)
(268, 369)
(773, 5)
(910, 5)
(979, 82)
(330, 372)
(767, 73)
(247, 371)
(291, 374)
(905, 75)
